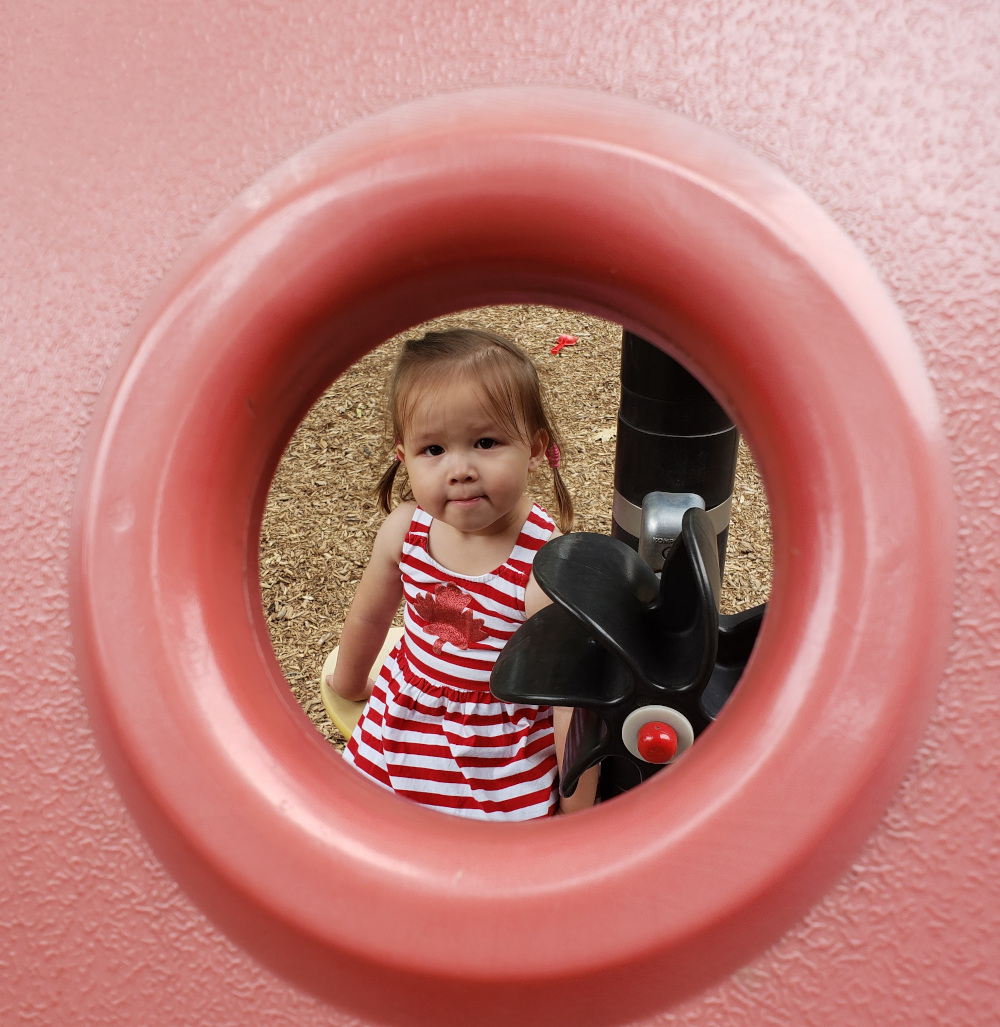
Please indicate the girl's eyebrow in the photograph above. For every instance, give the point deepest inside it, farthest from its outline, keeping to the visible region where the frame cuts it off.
(419, 441)
(488, 424)
(479, 429)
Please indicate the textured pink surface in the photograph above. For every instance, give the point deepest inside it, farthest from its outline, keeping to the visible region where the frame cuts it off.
(128, 126)
(502, 195)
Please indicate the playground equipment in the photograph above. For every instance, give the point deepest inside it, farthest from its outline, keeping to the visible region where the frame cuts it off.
(631, 651)
(238, 347)
(646, 659)
(245, 894)
(673, 437)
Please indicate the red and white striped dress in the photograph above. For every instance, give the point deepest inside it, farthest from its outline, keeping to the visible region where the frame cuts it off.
(432, 730)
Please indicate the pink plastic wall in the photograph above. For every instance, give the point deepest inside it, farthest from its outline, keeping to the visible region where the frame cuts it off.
(127, 127)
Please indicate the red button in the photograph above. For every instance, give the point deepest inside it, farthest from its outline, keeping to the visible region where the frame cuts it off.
(657, 742)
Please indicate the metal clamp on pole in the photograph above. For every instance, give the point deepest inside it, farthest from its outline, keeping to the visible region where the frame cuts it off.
(661, 517)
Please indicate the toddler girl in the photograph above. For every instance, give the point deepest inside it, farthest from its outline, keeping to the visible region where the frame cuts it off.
(470, 426)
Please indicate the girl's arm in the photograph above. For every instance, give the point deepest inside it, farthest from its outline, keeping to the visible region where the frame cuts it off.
(586, 790)
(375, 604)
(586, 787)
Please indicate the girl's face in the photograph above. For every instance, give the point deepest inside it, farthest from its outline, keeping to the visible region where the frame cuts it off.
(464, 467)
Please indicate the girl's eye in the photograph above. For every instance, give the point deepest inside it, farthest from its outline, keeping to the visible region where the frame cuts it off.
(434, 450)
(486, 443)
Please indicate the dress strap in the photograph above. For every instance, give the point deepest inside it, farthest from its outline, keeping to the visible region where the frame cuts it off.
(535, 532)
(418, 532)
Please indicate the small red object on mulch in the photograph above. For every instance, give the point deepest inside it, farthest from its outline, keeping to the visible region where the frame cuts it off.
(563, 340)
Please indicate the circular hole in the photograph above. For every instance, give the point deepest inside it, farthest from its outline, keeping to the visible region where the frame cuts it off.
(321, 516)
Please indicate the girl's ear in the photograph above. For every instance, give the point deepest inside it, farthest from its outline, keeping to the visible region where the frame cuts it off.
(538, 447)
(399, 452)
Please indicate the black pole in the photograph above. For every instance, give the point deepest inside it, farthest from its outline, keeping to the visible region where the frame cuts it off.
(632, 640)
(672, 437)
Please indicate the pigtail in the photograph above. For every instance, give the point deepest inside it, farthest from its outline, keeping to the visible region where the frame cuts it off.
(392, 434)
(383, 490)
(564, 502)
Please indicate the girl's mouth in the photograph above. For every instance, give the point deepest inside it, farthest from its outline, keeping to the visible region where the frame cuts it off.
(468, 501)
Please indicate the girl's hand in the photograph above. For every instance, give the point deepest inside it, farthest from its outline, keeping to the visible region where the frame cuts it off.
(364, 698)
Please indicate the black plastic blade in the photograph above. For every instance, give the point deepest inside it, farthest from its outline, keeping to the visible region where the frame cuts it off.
(687, 617)
(552, 661)
(620, 774)
(578, 560)
(737, 636)
(607, 587)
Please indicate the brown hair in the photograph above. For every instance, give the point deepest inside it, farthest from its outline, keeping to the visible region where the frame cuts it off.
(509, 384)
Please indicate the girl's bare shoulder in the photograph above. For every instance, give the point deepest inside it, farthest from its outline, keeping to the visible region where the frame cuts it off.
(392, 534)
(534, 598)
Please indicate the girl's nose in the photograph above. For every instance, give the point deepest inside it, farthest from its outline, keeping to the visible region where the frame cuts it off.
(461, 469)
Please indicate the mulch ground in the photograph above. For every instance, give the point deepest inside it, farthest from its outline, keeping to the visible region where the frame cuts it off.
(321, 517)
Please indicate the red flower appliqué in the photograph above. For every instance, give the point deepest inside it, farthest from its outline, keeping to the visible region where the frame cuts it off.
(448, 616)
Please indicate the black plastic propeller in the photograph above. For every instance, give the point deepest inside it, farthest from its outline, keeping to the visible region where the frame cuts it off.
(617, 639)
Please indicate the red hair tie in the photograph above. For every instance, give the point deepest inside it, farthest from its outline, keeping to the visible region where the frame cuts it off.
(552, 455)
